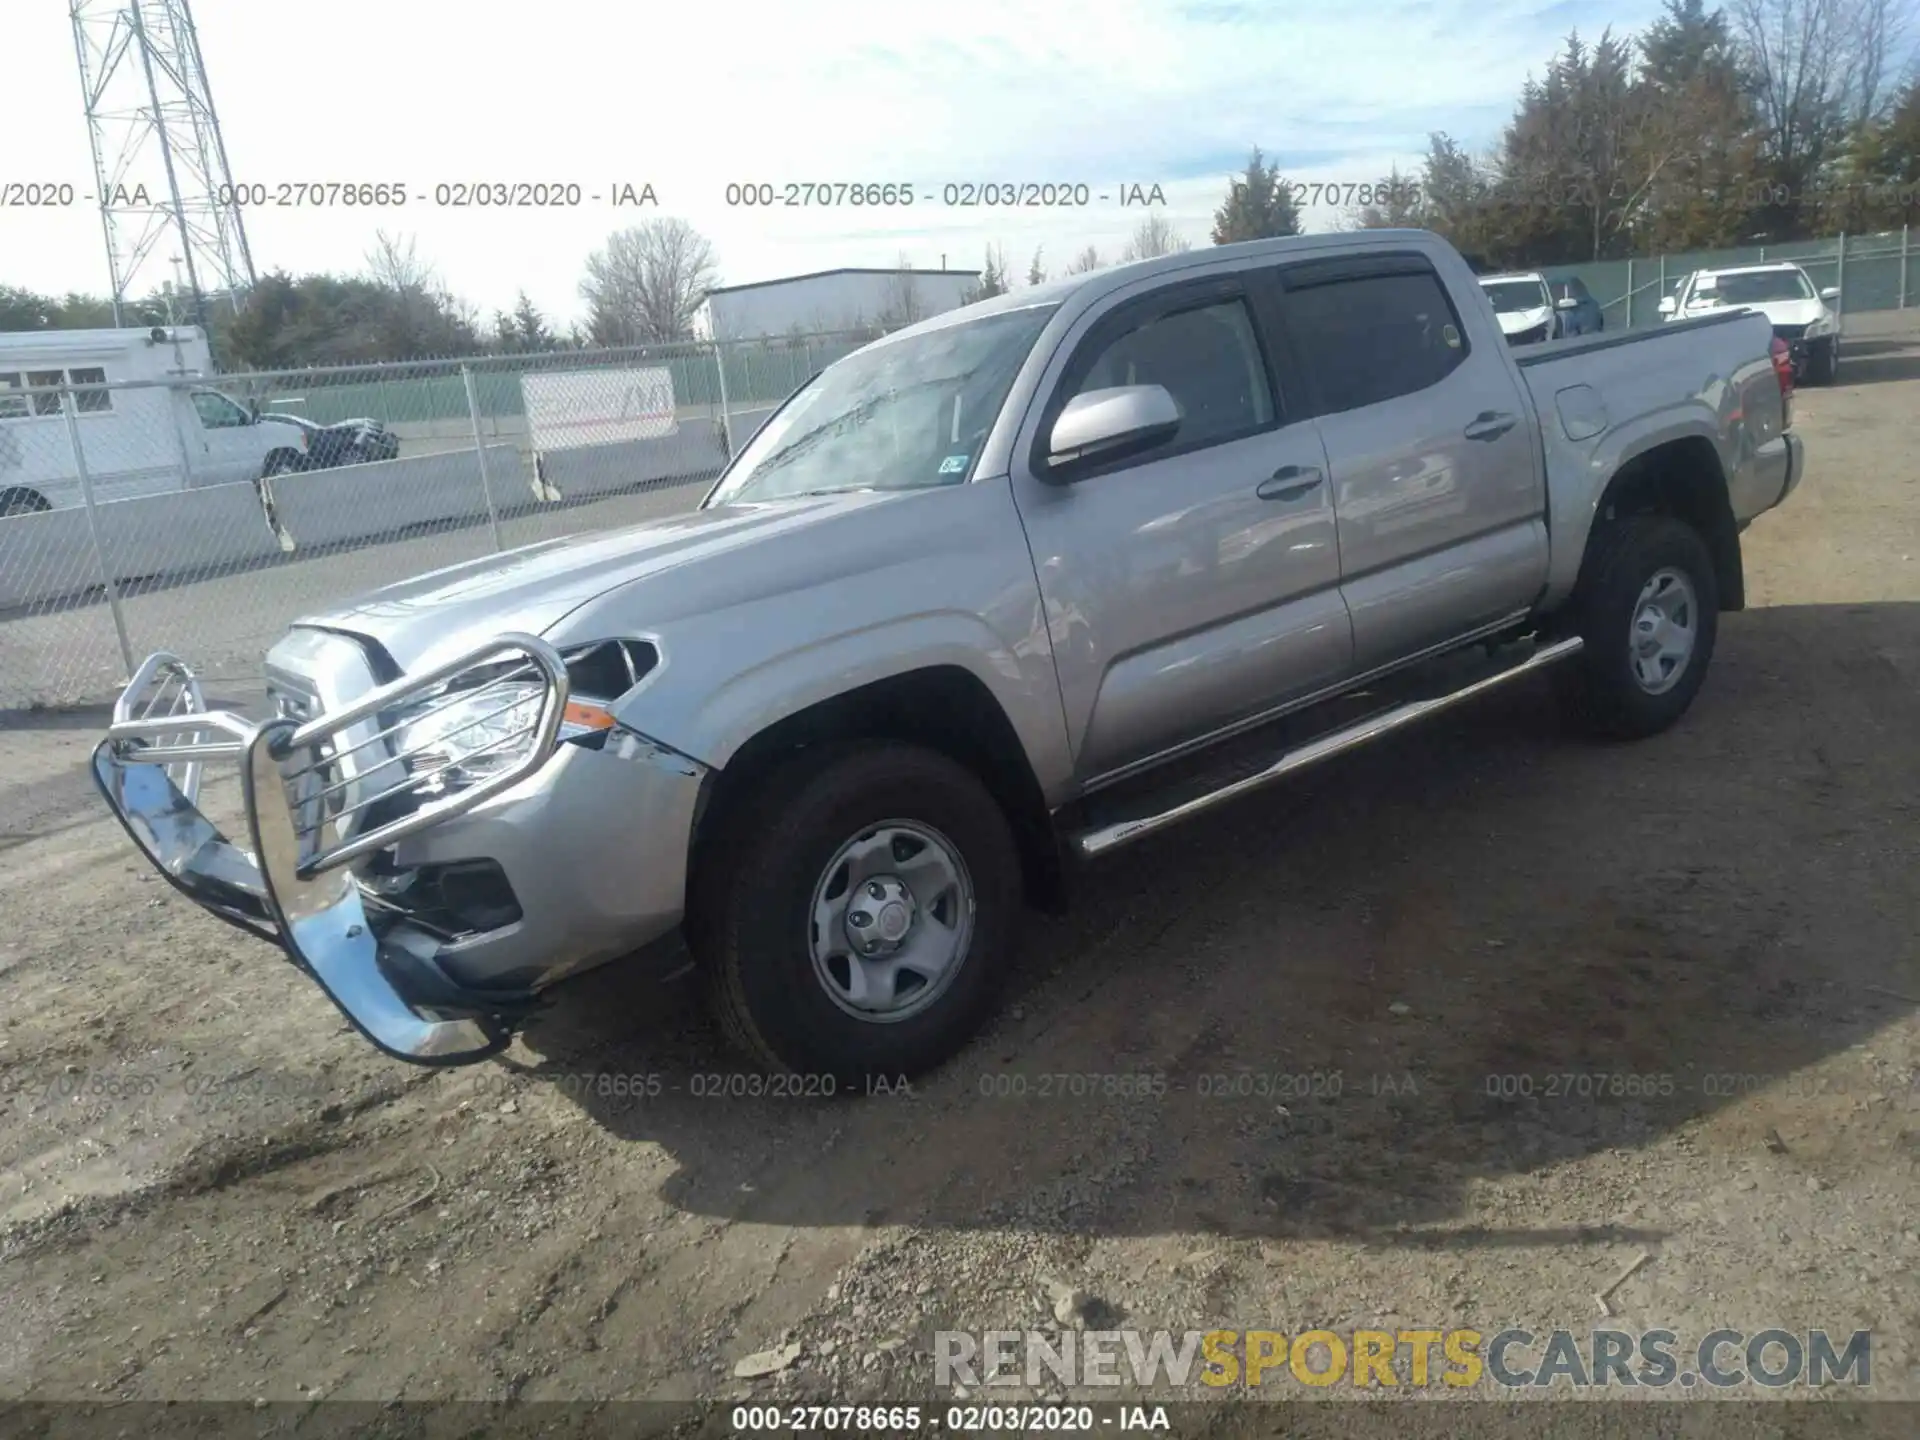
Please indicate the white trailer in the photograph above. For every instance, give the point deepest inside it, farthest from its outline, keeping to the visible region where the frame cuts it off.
(832, 301)
(164, 435)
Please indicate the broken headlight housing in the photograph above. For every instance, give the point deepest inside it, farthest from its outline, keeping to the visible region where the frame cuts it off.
(480, 723)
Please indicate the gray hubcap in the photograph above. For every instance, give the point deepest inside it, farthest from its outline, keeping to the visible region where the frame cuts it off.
(1666, 621)
(891, 919)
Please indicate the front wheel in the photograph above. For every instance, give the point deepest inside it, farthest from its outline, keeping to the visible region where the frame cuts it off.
(1823, 365)
(858, 924)
(1649, 611)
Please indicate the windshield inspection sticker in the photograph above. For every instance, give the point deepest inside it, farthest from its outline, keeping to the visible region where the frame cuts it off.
(953, 464)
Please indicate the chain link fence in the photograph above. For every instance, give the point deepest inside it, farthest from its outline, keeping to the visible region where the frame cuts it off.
(1874, 272)
(203, 516)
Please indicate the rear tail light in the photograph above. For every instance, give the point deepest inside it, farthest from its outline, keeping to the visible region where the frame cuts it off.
(1783, 368)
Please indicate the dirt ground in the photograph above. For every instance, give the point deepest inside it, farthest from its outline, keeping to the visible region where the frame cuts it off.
(211, 1190)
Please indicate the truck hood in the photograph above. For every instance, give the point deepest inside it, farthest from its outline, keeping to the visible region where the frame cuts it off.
(1778, 312)
(434, 617)
(1513, 322)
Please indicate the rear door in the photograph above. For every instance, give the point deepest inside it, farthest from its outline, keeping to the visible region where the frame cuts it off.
(1438, 488)
(1195, 585)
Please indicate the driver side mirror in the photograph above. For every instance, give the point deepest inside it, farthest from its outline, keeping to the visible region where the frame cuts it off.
(1566, 302)
(1668, 304)
(1109, 424)
(1832, 292)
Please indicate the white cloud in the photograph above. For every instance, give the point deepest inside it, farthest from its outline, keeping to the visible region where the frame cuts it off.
(691, 97)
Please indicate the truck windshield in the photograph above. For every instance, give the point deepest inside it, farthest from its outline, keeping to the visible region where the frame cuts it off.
(1511, 295)
(901, 415)
(1756, 288)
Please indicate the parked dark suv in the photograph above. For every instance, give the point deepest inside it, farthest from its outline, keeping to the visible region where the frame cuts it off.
(1579, 312)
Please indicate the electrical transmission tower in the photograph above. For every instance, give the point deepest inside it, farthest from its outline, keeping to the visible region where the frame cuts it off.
(160, 166)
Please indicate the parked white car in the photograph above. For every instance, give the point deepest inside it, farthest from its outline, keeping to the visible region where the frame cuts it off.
(1524, 307)
(139, 441)
(1782, 291)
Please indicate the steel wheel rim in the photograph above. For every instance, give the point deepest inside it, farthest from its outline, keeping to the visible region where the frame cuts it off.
(902, 888)
(1665, 629)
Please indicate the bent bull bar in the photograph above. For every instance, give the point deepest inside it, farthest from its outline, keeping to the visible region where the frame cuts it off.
(296, 887)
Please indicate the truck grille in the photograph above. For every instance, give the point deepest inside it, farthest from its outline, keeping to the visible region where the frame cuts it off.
(309, 676)
(1791, 333)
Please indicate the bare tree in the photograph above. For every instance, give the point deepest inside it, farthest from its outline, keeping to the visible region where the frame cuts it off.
(1817, 68)
(1154, 236)
(417, 316)
(904, 304)
(1036, 273)
(994, 276)
(395, 263)
(1881, 28)
(1086, 262)
(646, 284)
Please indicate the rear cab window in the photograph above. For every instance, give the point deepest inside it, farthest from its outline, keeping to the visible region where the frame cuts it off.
(1367, 337)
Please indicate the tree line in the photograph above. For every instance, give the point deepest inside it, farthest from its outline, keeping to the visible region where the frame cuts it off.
(1764, 121)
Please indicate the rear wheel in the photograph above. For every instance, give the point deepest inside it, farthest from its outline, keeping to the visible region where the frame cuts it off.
(21, 501)
(1648, 609)
(857, 923)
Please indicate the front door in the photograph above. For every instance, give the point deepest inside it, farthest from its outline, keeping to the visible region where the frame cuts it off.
(1196, 584)
(230, 447)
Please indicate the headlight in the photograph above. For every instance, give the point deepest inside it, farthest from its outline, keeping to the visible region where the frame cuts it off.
(461, 740)
(1822, 326)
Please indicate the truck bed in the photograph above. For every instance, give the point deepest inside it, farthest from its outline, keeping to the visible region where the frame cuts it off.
(1604, 398)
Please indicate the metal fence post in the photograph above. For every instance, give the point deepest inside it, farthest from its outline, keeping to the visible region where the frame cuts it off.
(726, 410)
(480, 453)
(70, 408)
(1840, 283)
(1904, 229)
(1629, 292)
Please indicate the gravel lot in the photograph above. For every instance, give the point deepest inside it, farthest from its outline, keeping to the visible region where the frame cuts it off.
(212, 1191)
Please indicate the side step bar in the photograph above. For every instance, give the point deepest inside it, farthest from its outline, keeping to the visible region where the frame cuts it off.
(1091, 843)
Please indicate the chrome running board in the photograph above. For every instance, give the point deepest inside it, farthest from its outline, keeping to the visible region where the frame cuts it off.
(1099, 839)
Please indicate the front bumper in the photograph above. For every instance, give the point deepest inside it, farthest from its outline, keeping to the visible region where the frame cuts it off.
(562, 823)
(1802, 348)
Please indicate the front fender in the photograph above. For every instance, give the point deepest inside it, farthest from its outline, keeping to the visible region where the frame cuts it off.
(782, 685)
(943, 578)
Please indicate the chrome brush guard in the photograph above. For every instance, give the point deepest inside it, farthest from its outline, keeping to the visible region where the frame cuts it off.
(307, 824)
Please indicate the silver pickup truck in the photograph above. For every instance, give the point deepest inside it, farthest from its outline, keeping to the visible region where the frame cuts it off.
(989, 598)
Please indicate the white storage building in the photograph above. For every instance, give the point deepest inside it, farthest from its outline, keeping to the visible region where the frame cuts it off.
(833, 300)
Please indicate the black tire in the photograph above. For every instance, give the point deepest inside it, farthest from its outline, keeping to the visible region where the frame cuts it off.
(280, 462)
(1599, 687)
(1823, 365)
(750, 920)
(21, 501)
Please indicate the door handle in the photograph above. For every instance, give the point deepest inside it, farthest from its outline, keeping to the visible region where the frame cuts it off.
(1490, 425)
(1290, 482)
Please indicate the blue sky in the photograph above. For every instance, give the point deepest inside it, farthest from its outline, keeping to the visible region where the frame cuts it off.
(690, 97)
